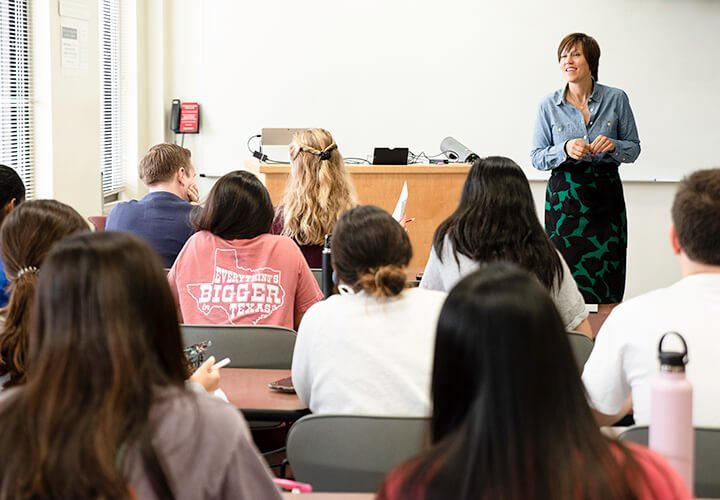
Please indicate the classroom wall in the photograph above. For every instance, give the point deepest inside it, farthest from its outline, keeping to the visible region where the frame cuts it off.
(192, 72)
(67, 111)
(170, 63)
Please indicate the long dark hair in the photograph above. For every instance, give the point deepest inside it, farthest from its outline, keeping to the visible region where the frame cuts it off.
(496, 221)
(238, 207)
(104, 339)
(370, 251)
(28, 234)
(510, 419)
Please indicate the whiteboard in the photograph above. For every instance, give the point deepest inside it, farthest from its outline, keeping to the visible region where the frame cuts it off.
(409, 73)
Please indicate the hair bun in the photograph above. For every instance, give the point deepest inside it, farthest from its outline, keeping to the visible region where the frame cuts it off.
(385, 281)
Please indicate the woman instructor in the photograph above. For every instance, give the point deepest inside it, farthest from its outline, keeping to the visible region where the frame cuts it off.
(582, 133)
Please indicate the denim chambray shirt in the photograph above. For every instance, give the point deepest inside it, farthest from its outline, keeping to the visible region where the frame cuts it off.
(558, 121)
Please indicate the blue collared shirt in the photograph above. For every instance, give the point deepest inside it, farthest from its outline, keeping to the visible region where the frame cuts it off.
(558, 121)
(160, 218)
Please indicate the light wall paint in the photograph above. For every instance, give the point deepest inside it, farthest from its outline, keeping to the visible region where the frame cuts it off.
(172, 62)
(67, 112)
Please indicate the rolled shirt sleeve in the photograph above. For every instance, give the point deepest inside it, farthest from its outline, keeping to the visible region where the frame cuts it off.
(545, 155)
(627, 145)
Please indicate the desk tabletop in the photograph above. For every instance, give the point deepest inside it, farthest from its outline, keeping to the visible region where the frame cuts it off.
(329, 496)
(247, 389)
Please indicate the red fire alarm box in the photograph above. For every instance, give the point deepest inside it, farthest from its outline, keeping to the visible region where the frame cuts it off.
(189, 114)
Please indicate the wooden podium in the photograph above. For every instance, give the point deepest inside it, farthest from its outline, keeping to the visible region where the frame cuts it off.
(433, 194)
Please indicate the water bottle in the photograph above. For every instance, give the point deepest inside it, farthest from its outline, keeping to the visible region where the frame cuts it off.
(671, 427)
(327, 271)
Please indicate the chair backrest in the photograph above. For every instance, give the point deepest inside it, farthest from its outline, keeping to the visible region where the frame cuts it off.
(350, 452)
(98, 222)
(581, 346)
(317, 274)
(707, 457)
(247, 346)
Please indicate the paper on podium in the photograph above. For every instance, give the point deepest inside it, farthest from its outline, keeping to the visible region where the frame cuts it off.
(399, 212)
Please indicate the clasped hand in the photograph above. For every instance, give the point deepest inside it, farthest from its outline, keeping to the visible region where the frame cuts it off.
(193, 194)
(579, 149)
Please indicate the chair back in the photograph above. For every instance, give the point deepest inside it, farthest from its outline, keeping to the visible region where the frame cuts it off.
(581, 346)
(247, 346)
(350, 452)
(98, 222)
(707, 457)
(317, 274)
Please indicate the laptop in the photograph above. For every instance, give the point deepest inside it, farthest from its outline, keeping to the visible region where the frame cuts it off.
(390, 156)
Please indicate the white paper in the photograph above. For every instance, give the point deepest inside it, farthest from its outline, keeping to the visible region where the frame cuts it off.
(399, 212)
(74, 8)
(74, 47)
(70, 47)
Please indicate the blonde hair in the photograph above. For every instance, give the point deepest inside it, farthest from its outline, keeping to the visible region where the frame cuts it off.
(319, 188)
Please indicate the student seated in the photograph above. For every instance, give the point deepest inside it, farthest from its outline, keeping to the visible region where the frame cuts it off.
(319, 190)
(624, 361)
(496, 221)
(510, 420)
(104, 412)
(161, 217)
(28, 234)
(369, 349)
(232, 271)
(12, 193)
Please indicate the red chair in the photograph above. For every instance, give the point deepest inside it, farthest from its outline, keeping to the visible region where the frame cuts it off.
(98, 221)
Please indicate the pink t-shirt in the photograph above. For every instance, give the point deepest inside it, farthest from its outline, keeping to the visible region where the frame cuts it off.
(662, 482)
(261, 281)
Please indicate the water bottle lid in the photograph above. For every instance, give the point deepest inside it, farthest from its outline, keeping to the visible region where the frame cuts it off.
(673, 358)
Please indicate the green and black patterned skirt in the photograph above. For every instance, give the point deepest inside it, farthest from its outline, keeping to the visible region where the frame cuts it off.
(586, 220)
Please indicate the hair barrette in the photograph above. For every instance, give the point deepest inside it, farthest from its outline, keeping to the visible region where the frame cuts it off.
(324, 155)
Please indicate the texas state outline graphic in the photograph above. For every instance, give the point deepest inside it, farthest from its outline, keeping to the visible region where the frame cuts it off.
(245, 295)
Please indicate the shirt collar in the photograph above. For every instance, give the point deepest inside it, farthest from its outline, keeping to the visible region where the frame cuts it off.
(596, 96)
(164, 194)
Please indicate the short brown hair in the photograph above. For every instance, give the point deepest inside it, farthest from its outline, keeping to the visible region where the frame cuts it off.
(696, 216)
(590, 49)
(161, 162)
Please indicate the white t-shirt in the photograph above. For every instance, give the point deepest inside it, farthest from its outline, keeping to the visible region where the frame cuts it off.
(444, 275)
(625, 357)
(360, 355)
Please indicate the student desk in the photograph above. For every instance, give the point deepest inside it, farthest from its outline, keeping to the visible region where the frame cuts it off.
(433, 194)
(247, 389)
(329, 496)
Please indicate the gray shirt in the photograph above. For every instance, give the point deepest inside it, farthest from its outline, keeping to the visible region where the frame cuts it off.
(204, 446)
(443, 275)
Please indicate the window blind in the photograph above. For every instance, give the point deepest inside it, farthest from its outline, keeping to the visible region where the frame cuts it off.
(110, 124)
(16, 120)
